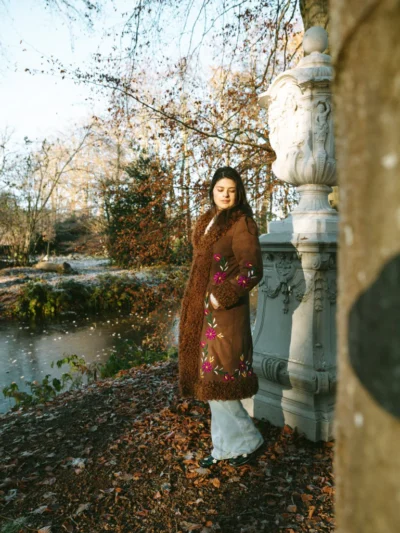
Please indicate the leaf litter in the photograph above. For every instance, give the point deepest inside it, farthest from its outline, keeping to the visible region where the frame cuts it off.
(139, 470)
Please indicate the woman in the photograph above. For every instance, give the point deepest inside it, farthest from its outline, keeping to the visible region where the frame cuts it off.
(215, 350)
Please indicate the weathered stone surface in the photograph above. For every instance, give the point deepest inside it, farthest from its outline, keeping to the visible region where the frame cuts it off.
(295, 333)
(300, 121)
(315, 40)
(294, 336)
(365, 46)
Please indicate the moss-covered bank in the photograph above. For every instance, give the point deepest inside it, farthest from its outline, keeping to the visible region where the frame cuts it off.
(125, 293)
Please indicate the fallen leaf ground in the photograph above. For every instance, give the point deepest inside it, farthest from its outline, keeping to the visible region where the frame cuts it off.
(122, 455)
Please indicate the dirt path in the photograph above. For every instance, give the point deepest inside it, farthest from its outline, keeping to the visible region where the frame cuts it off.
(122, 455)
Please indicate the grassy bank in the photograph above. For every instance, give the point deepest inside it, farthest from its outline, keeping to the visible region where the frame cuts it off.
(38, 300)
(126, 294)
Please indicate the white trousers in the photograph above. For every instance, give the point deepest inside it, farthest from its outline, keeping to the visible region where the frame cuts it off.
(233, 432)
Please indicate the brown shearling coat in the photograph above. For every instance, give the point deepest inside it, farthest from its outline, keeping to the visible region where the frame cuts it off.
(215, 345)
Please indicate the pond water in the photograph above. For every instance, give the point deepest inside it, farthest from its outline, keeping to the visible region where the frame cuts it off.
(27, 350)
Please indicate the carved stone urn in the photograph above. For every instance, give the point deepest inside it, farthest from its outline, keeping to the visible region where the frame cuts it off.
(295, 333)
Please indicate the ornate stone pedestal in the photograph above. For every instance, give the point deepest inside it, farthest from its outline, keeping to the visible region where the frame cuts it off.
(295, 333)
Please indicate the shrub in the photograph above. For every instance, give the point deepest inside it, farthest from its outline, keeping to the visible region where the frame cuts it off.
(47, 389)
(123, 359)
(129, 355)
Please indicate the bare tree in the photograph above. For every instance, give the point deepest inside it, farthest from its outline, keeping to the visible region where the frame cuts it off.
(72, 10)
(29, 188)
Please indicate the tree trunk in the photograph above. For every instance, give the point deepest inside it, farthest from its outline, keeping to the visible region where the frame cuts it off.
(366, 52)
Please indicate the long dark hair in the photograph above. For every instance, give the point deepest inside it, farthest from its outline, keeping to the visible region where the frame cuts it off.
(241, 203)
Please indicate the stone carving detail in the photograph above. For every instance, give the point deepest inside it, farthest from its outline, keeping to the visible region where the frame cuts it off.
(322, 382)
(271, 366)
(302, 290)
(268, 259)
(332, 290)
(322, 287)
(273, 292)
(302, 144)
(288, 282)
(284, 118)
(319, 382)
(300, 121)
(319, 286)
(285, 267)
(321, 131)
(316, 261)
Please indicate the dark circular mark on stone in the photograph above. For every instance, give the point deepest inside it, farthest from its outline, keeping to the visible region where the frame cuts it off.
(374, 338)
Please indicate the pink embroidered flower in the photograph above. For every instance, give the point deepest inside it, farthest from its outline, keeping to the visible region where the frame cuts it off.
(248, 264)
(227, 377)
(242, 281)
(206, 312)
(232, 378)
(242, 366)
(207, 366)
(211, 333)
(217, 257)
(219, 277)
(202, 344)
(250, 373)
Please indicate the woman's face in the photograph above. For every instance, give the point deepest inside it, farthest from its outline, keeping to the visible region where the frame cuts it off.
(224, 193)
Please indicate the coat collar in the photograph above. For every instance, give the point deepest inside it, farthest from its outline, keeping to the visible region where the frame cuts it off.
(202, 241)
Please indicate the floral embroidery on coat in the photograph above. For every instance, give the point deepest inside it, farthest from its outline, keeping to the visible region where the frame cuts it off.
(243, 280)
(220, 276)
(245, 369)
(211, 334)
(207, 361)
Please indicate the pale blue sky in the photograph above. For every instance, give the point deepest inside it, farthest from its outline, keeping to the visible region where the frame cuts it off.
(41, 105)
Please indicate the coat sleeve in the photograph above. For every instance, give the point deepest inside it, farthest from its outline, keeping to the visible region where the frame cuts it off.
(246, 248)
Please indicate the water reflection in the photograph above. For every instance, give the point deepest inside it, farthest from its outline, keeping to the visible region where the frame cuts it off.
(27, 351)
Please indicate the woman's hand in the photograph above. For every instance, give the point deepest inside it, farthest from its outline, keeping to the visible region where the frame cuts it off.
(214, 301)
